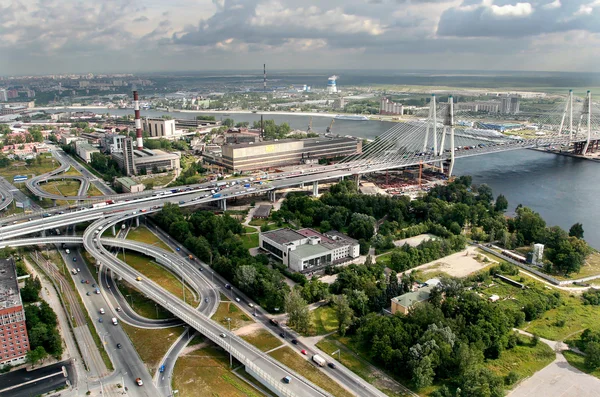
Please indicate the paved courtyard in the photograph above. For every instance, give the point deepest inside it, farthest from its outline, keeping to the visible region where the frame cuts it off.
(559, 379)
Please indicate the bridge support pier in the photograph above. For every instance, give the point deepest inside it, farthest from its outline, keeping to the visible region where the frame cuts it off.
(272, 196)
(137, 221)
(54, 202)
(315, 188)
(224, 204)
(114, 230)
(341, 179)
(302, 185)
(357, 180)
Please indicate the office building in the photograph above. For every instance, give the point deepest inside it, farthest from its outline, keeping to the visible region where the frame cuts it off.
(14, 341)
(3, 95)
(159, 128)
(134, 162)
(307, 249)
(85, 150)
(124, 157)
(269, 154)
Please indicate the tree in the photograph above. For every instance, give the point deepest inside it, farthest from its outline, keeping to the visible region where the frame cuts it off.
(423, 373)
(501, 203)
(36, 355)
(246, 277)
(297, 311)
(228, 122)
(343, 313)
(207, 118)
(592, 355)
(576, 230)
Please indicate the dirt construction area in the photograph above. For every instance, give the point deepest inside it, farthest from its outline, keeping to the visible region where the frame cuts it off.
(460, 264)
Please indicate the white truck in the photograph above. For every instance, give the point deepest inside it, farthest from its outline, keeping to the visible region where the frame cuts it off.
(319, 360)
(114, 321)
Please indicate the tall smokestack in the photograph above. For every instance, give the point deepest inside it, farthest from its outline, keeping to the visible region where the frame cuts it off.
(265, 77)
(138, 121)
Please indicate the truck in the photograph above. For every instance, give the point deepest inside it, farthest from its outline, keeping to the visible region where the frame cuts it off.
(99, 205)
(216, 195)
(219, 184)
(319, 360)
(114, 321)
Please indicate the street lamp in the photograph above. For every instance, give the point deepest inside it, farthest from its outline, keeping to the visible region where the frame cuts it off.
(229, 326)
(131, 300)
(156, 307)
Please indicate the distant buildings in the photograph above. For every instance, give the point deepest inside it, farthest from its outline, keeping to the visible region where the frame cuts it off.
(388, 107)
(13, 332)
(159, 127)
(134, 162)
(129, 185)
(84, 150)
(331, 85)
(306, 249)
(268, 154)
(506, 105)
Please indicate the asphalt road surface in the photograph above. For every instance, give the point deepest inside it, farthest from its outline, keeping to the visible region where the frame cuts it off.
(24, 383)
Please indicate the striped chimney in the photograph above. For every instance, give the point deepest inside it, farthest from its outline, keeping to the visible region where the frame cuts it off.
(138, 121)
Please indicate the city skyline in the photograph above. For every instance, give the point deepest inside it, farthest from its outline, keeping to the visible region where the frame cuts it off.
(133, 36)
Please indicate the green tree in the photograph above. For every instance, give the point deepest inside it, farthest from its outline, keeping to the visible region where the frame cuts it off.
(207, 118)
(228, 122)
(36, 355)
(501, 203)
(343, 313)
(576, 230)
(592, 355)
(246, 276)
(297, 311)
(423, 374)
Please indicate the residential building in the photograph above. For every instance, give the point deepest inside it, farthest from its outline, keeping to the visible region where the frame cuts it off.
(405, 302)
(66, 139)
(85, 150)
(390, 108)
(158, 127)
(14, 341)
(3, 95)
(129, 185)
(268, 154)
(306, 249)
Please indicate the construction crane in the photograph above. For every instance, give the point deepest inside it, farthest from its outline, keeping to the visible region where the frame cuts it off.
(330, 125)
(309, 125)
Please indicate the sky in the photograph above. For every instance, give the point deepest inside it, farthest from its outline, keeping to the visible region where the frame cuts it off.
(111, 36)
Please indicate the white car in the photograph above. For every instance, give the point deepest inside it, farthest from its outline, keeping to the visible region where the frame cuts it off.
(223, 336)
(237, 299)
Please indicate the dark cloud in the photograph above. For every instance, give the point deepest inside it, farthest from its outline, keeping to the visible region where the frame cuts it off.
(141, 19)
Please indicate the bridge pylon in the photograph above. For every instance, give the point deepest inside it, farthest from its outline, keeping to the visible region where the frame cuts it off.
(587, 108)
(449, 124)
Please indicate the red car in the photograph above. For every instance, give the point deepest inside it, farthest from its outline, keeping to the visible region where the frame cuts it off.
(303, 351)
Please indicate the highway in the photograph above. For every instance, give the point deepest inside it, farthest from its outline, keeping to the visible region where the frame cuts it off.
(6, 193)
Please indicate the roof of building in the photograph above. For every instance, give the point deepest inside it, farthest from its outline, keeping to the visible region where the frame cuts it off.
(9, 286)
(86, 146)
(262, 211)
(307, 232)
(410, 298)
(127, 181)
(283, 236)
(306, 250)
(153, 154)
(337, 236)
(308, 141)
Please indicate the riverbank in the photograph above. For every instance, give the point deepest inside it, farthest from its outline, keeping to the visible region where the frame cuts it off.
(593, 157)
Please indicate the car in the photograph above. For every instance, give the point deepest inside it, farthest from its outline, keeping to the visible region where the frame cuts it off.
(78, 270)
(94, 285)
(223, 335)
(200, 268)
(237, 299)
(227, 286)
(102, 310)
(178, 249)
(303, 351)
(88, 293)
(162, 368)
(119, 346)
(74, 259)
(274, 322)
(251, 304)
(82, 281)
(87, 281)
(206, 300)
(138, 278)
(331, 365)
(282, 335)
(100, 319)
(295, 341)
(286, 379)
(118, 308)
(139, 382)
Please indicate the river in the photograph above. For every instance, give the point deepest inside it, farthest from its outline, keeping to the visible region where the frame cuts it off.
(564, 190)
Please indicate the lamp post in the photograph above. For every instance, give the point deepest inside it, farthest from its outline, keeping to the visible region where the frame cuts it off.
(156, 307)
(130, 300)
(230, 358)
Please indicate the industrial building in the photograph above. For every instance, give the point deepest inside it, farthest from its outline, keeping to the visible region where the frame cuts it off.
(13, 332)
(331, 85)
(388, 107)
(85, 150)
(506, 105)
(129, 185)
(134, 162)
(306, 249)
(159, 127)
(268, 154)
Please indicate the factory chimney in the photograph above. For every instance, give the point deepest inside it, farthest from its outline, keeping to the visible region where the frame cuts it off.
(265, 77)
(138, 121)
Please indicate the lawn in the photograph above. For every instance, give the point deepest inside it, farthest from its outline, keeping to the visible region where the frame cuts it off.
(144, 235)
(323, 320)
(291, 359)
(262, 339)
(159, 275)
(67, 187)
(523, 359)
(158, 181)
(249, 229)
(21, 168)
(93, 191)
(258, 222)
(152, 344)
(205, 372)
(578, 362)
(230, 310)
(143, 306)
(250, 240)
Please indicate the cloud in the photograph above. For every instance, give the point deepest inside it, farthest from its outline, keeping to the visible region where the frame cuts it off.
(587, 9)
(517, 10)
(553, 5)
(141, 19)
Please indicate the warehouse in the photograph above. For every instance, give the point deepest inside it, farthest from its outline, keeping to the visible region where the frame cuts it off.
(264, 155)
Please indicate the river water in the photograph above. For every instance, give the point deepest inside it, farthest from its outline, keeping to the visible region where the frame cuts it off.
(564, 190)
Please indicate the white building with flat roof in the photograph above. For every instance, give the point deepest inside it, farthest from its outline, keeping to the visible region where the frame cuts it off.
(159, 127)
(85, 150)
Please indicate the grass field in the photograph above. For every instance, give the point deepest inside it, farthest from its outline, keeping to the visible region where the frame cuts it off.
(67, 187)
(323, 320)
(205, 372)
(578, 362)
(250, 240)
(93, 191)
(290, 358)
(144, 235)
(230, 310)
(152, 344)
(159, 275)
(143, 306)
(248, 229)
(524, 360)
(262, 339)
(158, 181)
(21, 168)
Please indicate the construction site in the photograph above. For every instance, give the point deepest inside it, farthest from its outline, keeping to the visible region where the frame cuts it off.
(411, 181)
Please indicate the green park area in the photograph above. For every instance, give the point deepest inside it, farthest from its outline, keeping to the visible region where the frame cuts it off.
(152, 344)
(262, 339)
(29, 168)
(144, 235)
(230, 310)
